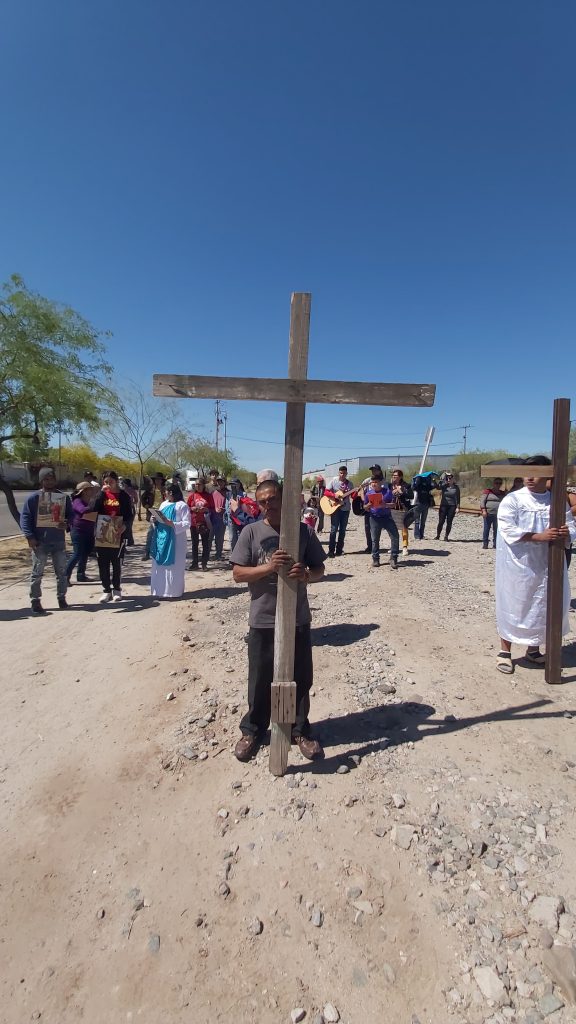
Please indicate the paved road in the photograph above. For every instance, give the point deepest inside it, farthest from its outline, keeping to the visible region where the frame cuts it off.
(7, 525)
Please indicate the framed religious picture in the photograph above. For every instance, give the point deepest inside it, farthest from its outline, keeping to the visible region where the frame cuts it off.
(51, 511)
(108, 533)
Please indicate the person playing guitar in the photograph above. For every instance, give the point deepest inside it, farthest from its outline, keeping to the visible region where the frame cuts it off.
(337, 497)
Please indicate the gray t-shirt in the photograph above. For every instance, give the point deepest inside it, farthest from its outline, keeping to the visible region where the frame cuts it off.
(255, 546)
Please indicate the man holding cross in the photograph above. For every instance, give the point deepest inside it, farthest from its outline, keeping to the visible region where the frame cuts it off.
(523, 539)
(258, 561)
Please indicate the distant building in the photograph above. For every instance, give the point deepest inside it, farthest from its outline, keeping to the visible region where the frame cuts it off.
(387, 462)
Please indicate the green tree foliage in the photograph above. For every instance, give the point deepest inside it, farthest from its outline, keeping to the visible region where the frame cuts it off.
(52, 370)
(572, 444)
(474, 459)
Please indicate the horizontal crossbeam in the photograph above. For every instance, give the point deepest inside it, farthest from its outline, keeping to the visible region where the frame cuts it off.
(508, 471)
(270, 389)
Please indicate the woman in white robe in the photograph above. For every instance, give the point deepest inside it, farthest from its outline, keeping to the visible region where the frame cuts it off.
(522, 570)
(169, 544)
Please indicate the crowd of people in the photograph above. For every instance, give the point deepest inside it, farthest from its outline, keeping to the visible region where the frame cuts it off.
(100, 515)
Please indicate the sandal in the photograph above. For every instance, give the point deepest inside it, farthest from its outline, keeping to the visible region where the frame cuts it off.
(504, 663)
(534, 654)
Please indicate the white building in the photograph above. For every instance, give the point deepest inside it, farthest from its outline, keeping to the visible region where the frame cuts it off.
(387, 462)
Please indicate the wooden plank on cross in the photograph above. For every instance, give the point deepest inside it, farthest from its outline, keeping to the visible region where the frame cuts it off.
(556, 550)
(285, 626)
(508, 471)
(292, 389)
(296, 391)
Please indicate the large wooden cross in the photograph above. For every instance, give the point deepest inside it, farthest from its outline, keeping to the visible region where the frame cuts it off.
(296, 390)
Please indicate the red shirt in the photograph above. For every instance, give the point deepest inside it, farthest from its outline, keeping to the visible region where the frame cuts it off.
(111, 503)
(200, 502)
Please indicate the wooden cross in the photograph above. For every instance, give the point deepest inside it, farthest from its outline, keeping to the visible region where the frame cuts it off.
(558, 473)
(296, 390)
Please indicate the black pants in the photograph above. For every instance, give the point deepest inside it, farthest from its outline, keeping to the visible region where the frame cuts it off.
(446, 515)
(260, 674)
(110, 562)
(198, 535)
(367, 531)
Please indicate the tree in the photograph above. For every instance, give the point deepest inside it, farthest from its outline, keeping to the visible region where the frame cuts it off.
(138, 427)
(203, 456)
(572, 444)
(52, 370)
(474, 459)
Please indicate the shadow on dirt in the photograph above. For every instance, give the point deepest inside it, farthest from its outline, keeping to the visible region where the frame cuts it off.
(342, 634)
(390, 725)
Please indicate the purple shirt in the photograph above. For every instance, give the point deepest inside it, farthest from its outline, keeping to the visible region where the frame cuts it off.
(78, 523)
(379, 512)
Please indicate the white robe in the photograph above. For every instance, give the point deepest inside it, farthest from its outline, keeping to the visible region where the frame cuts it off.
(522, 568)
(168, 580)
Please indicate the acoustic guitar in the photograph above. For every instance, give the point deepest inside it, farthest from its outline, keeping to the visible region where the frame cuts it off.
(329, 503)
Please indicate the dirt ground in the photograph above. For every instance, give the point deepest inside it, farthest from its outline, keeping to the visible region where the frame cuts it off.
(419, 874)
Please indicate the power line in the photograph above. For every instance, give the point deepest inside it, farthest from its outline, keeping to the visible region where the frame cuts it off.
(335, 447)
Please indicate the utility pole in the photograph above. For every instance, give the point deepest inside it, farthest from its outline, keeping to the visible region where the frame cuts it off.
(219, 422)
(225, 418)
(466, 427)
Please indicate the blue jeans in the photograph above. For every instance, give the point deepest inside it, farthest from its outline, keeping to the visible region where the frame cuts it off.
(338, 524)
(40, 555)
(420, 517)
(233, 534)
(490, 520)
(377, 524)
(83, 544)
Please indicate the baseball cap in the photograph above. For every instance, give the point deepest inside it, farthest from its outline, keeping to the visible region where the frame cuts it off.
(375, 466)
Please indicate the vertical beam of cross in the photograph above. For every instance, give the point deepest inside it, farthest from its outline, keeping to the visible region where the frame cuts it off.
(556, 550)
(284, 687)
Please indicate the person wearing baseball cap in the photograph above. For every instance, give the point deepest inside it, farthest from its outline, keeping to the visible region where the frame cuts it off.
(44, 518)
(376, 472)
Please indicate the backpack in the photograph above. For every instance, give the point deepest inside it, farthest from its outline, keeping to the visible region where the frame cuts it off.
(357, 505)
(422, 484)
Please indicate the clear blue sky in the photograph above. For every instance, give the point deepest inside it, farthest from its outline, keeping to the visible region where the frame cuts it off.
(175, 170)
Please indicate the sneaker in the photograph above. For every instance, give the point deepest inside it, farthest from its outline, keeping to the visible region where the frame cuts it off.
(62, 603)
(375, 563)
(405, 551)
(37, 608)
(106, 597)
(116, 596)
(83, 579)
(393, 563)
(193, 567)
